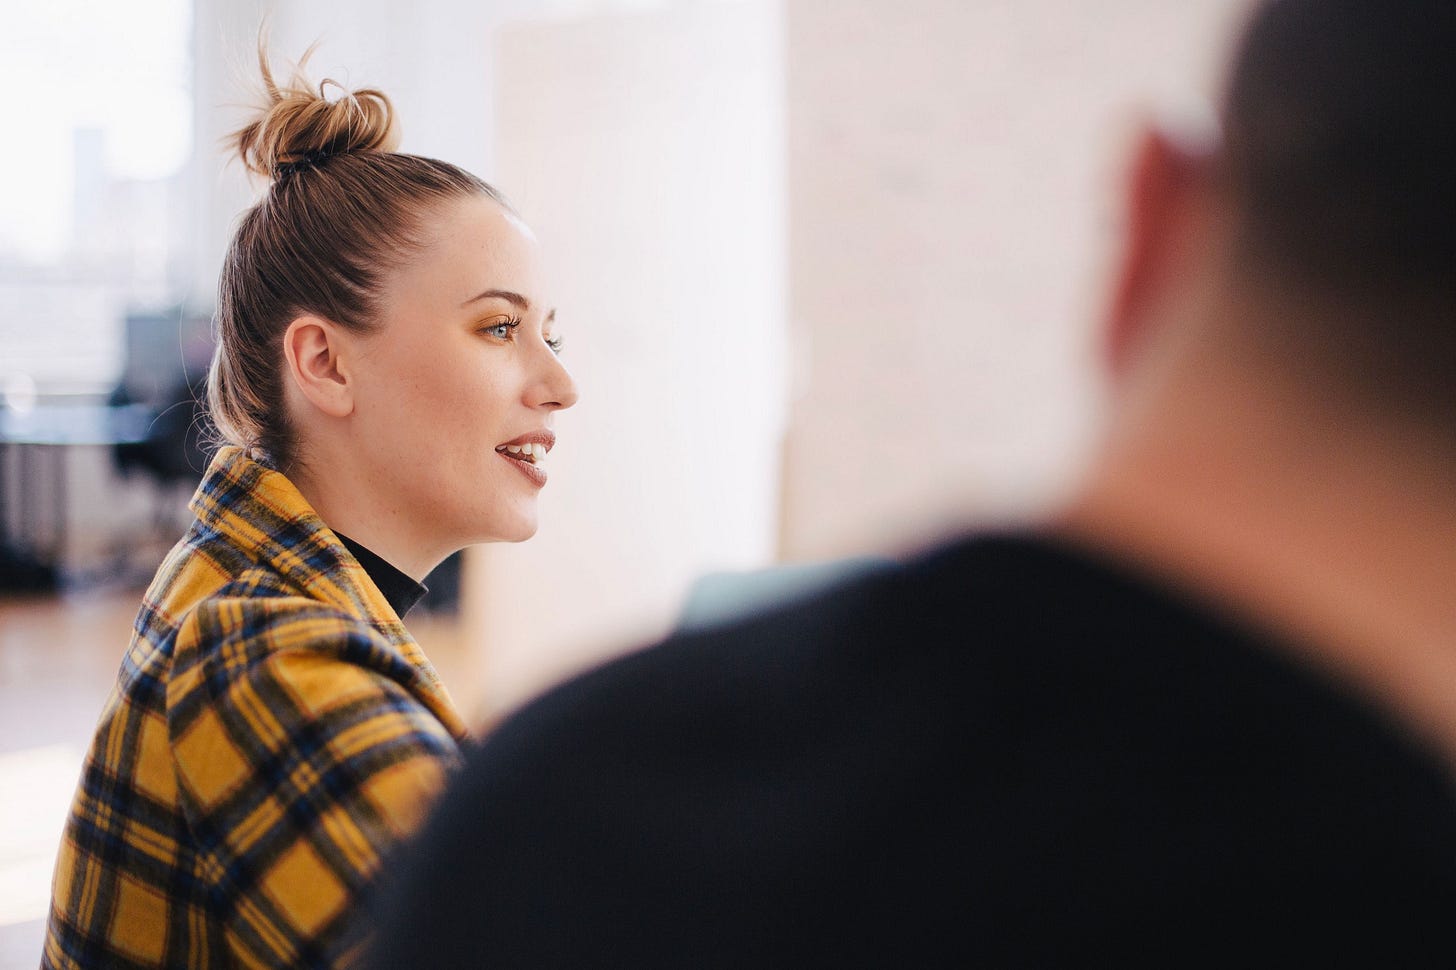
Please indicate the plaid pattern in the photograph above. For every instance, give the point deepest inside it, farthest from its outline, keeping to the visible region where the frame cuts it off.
(273, 731)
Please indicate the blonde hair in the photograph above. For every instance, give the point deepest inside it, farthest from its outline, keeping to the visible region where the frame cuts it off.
(343, 209)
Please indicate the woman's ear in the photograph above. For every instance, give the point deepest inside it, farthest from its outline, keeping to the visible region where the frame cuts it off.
(314, 350)
(1163, 184)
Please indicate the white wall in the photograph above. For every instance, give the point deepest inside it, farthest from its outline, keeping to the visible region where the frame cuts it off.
(223, 32)
(646, 150)
(951, 171)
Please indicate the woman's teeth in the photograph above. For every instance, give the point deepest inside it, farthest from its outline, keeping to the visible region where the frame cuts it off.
(533, 453)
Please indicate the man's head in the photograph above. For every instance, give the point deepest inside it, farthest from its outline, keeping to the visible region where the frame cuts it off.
(1283, 336)
(1326, 210)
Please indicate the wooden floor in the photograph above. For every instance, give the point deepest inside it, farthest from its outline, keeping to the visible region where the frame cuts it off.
(58, 658)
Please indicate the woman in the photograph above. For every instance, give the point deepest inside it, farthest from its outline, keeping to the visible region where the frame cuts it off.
(385, 379)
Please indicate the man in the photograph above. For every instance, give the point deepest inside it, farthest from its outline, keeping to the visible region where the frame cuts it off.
(1208, 714)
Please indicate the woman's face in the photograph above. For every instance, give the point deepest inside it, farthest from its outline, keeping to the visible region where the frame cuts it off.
(457, 388)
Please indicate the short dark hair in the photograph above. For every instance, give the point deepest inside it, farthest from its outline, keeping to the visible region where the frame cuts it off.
(1339, 126)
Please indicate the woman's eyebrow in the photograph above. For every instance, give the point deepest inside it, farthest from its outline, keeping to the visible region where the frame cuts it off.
(507, 295)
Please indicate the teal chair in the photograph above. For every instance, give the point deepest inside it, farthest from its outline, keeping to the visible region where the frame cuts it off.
(721, 597)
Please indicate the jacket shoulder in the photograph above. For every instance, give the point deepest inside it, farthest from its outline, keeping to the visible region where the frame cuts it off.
(254, 623)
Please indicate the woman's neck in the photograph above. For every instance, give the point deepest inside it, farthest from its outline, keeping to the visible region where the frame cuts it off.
(343, 500)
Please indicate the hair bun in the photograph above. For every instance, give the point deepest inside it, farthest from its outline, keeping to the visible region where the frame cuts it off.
(298, 125)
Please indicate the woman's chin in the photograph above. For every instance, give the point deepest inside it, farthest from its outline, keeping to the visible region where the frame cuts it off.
(517, 531)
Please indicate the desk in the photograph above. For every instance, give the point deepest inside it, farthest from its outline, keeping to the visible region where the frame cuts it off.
(52, 430)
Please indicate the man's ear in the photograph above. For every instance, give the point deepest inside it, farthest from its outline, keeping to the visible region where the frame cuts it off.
(314, 349)
(1163, 182)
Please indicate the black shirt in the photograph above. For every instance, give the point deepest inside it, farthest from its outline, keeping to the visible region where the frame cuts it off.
(1006, 753)
(400, 591)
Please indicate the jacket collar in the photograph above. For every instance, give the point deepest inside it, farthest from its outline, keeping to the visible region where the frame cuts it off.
(260, 512)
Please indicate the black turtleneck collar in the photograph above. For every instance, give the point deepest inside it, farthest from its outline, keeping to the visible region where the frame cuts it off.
(399, 590)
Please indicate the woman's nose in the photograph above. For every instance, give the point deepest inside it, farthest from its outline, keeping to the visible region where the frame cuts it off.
(554, 388)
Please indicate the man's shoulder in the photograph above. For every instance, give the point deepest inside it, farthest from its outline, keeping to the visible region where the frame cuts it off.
(979, 616)
(1001, 735)
(988, 647)
(967, 600)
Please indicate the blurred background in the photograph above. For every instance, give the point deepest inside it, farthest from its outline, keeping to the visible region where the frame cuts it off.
(829, 272)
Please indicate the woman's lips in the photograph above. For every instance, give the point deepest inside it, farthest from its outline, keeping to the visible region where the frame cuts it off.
(535, 473)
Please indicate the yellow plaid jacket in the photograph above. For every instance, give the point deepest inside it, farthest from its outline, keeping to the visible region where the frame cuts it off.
(273, 731)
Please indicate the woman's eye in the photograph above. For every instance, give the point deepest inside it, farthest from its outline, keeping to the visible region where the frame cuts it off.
(556, 343)
(502, 331)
